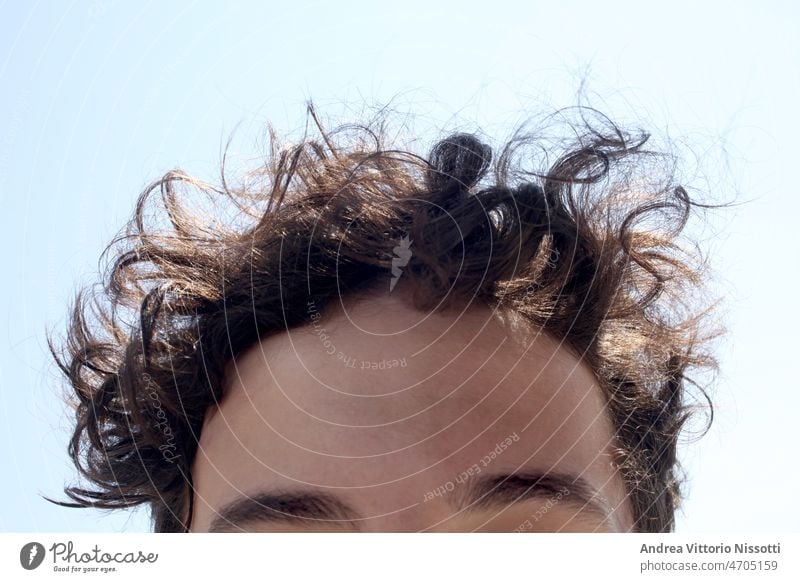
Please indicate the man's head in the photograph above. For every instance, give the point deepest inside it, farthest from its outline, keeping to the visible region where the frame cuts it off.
(397, 343)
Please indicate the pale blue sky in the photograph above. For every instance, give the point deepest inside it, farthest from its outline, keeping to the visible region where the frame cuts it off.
(98, 98)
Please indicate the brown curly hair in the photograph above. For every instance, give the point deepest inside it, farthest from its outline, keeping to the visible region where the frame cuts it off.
(590, 249)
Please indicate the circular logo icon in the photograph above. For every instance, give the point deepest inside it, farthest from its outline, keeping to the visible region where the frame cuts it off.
(31, 555)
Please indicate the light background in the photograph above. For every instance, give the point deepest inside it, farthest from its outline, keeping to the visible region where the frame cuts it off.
(99, 98)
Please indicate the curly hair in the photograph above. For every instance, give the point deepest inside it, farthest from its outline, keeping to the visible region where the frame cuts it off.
(590, 248)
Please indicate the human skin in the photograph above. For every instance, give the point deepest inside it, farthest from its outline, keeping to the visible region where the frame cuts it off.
(311, 410)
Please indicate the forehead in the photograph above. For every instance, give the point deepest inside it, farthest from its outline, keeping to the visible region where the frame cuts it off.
(379, 400)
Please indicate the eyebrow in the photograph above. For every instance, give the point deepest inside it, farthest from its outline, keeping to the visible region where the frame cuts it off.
(304, 507)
